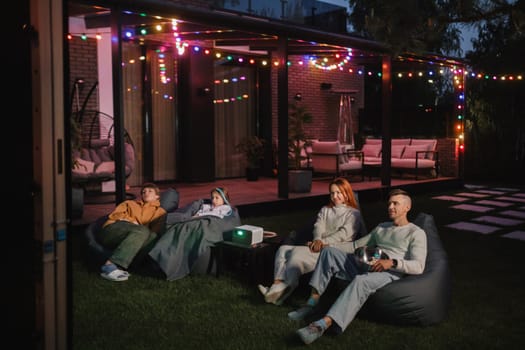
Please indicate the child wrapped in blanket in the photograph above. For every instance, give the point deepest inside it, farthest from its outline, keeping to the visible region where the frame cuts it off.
(218, 205)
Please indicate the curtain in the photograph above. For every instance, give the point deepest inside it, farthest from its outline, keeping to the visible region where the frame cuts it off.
(132, 105)
(235, 117)
(163, 82)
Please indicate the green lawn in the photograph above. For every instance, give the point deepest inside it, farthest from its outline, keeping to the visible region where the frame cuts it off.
(204, 312)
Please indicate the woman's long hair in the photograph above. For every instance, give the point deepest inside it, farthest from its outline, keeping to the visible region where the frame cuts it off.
(346, 188)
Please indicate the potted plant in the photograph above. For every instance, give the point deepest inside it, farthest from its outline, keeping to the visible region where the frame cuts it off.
(253, 149)
(299, 177)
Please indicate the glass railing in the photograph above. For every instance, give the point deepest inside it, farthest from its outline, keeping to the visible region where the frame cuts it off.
(318, 14)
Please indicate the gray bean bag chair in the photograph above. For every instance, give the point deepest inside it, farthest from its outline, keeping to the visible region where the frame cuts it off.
(97, 254)
(416, 300)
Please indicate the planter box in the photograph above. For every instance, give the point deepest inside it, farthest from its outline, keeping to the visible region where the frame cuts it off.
(300, 181)
(252, 174)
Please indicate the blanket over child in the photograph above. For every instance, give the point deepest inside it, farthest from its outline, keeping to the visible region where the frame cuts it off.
(184, 242)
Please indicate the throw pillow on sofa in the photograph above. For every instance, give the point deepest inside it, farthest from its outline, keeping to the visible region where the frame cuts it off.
(371, 150)
(410, 151)
(397, 151)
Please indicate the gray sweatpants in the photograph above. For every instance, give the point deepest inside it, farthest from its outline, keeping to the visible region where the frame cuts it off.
(334, 262)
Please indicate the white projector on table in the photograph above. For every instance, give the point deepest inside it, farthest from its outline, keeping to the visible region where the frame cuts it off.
(247, 235)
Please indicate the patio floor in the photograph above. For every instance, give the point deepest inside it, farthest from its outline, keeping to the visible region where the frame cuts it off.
(261, 196)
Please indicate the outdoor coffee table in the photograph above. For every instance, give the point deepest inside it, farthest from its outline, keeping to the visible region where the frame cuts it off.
(253, 263)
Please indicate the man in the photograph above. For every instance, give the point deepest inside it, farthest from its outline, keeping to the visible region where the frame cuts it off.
(404, 248)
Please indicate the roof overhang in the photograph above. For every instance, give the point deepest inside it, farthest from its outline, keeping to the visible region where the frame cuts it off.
(227, 28)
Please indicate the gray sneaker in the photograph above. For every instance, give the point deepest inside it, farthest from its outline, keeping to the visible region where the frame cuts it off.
(300, 313)
(310, 333)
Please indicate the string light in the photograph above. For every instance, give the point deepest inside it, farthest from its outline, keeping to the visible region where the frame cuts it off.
(327, 63)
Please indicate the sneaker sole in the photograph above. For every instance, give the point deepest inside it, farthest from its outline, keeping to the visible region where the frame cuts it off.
(285, 296)
(263, 289)
(308, 337)
(125, 278)
(273, 297)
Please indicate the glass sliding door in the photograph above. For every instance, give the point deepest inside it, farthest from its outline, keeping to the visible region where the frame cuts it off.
(149, 111)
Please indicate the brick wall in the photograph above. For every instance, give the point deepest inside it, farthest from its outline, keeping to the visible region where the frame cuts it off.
(83, 65)
(322, 104)
(448, 157)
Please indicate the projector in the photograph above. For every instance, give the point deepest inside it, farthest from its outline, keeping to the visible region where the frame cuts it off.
(247, 235)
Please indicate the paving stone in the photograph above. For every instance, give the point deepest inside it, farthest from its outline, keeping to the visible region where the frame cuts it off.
(515, 235)
(470, 226)
(506, 189)
(472, 207)
(511, 198)
(473, 195)
(494, 203)
(452, 198)
(491, 191)
(499, 220)
(514, 213)
(474, 187)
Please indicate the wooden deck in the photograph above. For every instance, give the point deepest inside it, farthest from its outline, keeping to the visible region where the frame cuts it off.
(260, 197)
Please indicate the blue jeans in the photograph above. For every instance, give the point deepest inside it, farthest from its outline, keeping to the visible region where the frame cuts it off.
(334, 262)
(127, 240)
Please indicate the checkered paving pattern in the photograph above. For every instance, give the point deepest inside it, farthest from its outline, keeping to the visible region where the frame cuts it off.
(501, 210)
(515, 235)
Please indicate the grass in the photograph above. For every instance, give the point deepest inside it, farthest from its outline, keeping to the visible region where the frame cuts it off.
(203, 312)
